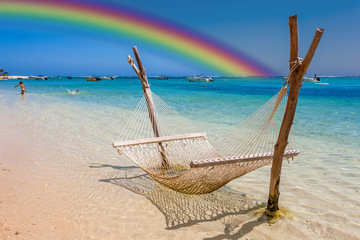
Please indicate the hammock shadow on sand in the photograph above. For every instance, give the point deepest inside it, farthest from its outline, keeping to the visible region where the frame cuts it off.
(228, 208)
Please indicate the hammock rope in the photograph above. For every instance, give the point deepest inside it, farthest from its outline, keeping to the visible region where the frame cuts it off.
(193, 165)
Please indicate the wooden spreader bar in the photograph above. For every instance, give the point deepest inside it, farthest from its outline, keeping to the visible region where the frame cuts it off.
(159, 139)
(238, 159)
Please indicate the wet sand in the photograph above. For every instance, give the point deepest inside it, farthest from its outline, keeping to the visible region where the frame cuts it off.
(52, 189)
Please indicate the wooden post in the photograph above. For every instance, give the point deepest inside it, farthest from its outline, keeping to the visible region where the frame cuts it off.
(297, 72)
(149, 101)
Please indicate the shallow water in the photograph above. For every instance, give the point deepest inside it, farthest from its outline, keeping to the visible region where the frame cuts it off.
(321, 186)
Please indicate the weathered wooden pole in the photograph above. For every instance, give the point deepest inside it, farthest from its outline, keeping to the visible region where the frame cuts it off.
(296, 74)
(149, 101)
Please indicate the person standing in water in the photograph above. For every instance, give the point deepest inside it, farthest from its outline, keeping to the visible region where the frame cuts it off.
(23, 88)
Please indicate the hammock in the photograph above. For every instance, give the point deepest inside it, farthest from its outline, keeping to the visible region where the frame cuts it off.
(174, 153)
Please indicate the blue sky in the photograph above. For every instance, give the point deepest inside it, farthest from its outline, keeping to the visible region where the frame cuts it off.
(258, 29)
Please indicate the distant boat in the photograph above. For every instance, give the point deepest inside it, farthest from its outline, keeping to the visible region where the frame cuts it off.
(107, 78)
(313, 79)
(162, 77)
(309, 79)
(41, 77)
(200, 78)
(69, 77)
(94, 79)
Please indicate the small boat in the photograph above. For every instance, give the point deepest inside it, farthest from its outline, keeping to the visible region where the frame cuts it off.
(107, 78)
(93, 79)
(307, 79)
(313, 79)
(162, 77)
(200, 78)
(40, 77)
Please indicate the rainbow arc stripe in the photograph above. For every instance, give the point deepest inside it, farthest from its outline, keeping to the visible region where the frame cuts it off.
(122, 22)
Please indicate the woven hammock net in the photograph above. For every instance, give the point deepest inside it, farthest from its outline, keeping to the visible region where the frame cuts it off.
(189, 163)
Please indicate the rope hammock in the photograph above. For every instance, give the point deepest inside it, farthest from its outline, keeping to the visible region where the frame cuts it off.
(174, 153)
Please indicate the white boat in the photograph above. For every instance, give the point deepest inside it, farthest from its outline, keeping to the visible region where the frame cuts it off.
(313, 79)
(107, 78)
(200, 78)
(40, 77)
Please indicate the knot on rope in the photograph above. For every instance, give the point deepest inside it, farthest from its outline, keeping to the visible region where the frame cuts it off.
(296, 63)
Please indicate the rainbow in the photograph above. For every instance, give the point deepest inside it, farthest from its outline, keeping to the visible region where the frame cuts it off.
(124, 22)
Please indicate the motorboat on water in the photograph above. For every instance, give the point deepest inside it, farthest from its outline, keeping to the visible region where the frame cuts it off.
(200, 78)
(40, 77)
(313, 79)
(307, 79)
(107, 78)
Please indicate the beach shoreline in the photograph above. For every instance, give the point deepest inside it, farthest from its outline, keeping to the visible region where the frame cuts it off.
(36, 206)
(56, 152)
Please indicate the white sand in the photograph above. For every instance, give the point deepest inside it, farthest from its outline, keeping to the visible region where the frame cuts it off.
(49, 191)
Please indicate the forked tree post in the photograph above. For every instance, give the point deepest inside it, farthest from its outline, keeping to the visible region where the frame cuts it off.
(297, 71)
(149, 101)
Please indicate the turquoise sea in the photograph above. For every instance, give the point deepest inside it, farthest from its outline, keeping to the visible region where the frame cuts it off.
(328, 112)
(322, 182)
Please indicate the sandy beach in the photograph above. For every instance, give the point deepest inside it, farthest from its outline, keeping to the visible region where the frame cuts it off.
(60, 178)
(38, 203)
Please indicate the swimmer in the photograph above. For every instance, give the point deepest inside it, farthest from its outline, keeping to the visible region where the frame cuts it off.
(23, 88)
(73, 92)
